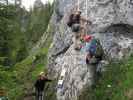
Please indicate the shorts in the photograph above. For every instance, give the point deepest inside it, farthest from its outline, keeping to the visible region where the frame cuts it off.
(75, 27)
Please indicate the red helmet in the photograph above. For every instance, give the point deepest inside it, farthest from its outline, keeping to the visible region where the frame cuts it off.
(87, 38)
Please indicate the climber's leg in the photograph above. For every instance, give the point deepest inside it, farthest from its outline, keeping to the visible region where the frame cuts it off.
(37, 95)
(89, 57)
(77, 44)
(76, 31)
(82, 30)
(42, 95)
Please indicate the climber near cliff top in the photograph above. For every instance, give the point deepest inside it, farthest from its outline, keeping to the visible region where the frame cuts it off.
(76, 23)
(40, 84)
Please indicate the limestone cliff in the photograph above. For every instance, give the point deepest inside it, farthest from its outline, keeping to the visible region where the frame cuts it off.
(112, 24)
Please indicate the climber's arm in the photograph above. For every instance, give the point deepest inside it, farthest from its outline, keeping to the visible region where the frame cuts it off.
(86, 20)
(47, 80)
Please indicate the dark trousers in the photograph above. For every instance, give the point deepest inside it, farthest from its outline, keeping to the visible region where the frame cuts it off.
(39, 95)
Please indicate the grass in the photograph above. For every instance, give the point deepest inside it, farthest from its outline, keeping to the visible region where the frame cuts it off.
(115, 83)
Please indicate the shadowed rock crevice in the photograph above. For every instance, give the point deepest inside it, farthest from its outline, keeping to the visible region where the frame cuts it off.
(118, 29)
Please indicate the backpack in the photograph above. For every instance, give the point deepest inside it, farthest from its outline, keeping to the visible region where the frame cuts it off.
(70, 22)
(99, 50)
(96, 48)
(92, 48)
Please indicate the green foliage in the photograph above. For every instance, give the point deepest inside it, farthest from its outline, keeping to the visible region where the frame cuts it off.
(17, 29)
(115, 84)
(39, 20)
(20, 30)
(51, 90)
(15, 80)
(12, 38)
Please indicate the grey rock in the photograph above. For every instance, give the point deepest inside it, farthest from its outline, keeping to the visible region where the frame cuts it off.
(112, 24)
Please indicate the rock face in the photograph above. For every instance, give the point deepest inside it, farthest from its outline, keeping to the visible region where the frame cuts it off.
(112, 24)
(76, 76)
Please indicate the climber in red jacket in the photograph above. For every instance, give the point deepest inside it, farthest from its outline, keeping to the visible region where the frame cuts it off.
(40, 84)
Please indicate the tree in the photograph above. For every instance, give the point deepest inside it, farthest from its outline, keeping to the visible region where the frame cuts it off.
(11, 36)
(39, 19)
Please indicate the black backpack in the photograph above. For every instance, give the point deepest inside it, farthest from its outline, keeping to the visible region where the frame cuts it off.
(70, 21)
(99, 50)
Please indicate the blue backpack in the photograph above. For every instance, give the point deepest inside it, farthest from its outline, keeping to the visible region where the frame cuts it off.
(93, 46)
